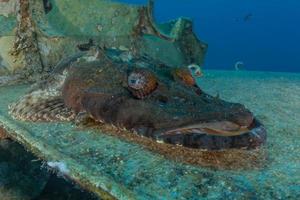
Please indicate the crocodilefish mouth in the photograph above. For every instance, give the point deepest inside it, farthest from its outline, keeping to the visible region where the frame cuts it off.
(218, 128)
(215, 135)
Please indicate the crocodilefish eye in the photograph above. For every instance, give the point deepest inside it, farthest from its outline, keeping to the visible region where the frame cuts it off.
(141, 83)
(195, 70)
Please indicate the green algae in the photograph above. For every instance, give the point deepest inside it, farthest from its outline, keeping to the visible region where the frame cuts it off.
(7, 25)
(129, 171)
(97, 18)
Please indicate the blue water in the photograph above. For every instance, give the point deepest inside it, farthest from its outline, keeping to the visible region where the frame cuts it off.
(263, 34)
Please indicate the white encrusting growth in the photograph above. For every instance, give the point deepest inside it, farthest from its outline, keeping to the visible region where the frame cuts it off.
(195, 70)
(59, 166)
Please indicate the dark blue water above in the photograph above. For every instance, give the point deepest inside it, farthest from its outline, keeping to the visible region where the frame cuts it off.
(263, 34)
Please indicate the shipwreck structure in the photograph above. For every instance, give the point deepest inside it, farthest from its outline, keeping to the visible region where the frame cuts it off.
(36, 35)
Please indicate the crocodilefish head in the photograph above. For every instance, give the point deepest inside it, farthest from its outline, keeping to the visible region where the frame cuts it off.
(160, 102)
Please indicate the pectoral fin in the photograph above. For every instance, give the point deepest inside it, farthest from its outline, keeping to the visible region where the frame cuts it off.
(37, 108)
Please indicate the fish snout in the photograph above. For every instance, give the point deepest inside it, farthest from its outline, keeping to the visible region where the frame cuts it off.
(244, 118)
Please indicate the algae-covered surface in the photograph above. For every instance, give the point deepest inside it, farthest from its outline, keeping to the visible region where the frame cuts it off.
(129, 171)
(70, 17)
(7, 25)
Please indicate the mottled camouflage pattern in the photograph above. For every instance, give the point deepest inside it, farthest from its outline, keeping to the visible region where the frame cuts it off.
(175, 112)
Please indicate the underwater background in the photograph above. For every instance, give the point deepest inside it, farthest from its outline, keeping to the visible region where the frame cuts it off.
(60, 161)
(263, 34)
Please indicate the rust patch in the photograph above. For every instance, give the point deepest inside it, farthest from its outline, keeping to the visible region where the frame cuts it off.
(26, 41)
(3, 133)
(146, 25)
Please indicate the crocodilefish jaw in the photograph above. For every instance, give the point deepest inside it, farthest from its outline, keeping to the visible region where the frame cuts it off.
(212, 137)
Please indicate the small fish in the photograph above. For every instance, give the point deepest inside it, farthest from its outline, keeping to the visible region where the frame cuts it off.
(248, 17)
